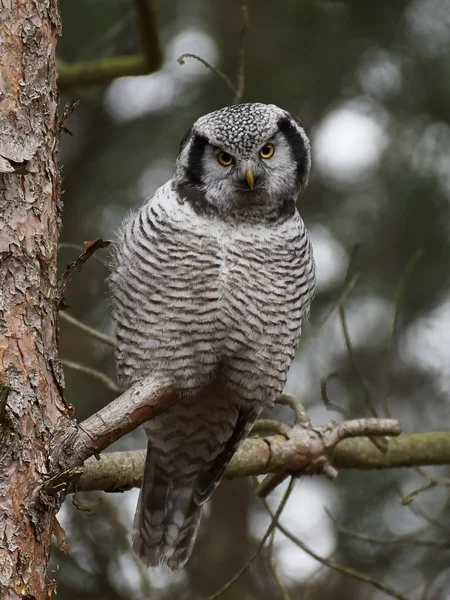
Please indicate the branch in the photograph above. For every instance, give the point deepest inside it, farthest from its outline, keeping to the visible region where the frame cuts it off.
(81, 248)
(109, 383)
(305, 452)
(119, 471)
(74, 444)
(93, 333)
(239, 92)
(74, 266)
(385, 379)
(149, 34)
(380, 585)
(181, 60)
(273, 524)
(104, 70)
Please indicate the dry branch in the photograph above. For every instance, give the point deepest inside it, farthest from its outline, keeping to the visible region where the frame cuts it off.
(93, 333)
(74, 266)
(74, 444)
(305, 452)
(104, 70)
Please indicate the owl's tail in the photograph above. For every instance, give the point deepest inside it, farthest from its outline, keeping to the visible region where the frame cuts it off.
(167, 518)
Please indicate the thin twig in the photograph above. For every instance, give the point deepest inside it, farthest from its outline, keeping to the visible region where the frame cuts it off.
(271, 561)
(68, 110)
(270, 426)
(419, 512)
(300, 414)
(107, 381)
(408, 540)
(336, 566)
(392, 540)
(271, 528)
(379, 443)
(79, 248)
(209, 66)
(269, 483)
(397, 303)
(74, 266)
(353, 364)
(432, 483)
(240, 79)
(94, 333)
(326, 400)
(273, 567)
(348, 344)
(340, 300)
(410, 497)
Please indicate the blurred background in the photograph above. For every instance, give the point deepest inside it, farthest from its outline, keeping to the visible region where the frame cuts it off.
(371, 83)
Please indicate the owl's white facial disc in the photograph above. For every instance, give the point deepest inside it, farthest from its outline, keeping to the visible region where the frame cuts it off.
(245, 161)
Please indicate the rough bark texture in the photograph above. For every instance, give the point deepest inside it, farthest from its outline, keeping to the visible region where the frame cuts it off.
(29, 223)
(73, 444)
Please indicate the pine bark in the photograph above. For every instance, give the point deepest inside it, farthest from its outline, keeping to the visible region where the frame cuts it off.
(31, 402)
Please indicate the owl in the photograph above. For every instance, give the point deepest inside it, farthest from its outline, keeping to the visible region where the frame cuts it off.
(212, 282)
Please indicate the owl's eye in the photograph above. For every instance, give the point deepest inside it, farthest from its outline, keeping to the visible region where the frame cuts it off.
(267, 151)
(225, 159)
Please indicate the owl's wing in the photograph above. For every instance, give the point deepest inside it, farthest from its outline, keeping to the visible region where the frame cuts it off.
(208, 479)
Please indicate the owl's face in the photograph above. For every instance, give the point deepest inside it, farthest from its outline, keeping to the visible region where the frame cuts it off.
(246, 159)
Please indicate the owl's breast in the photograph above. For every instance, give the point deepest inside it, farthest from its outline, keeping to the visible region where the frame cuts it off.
(264, 289)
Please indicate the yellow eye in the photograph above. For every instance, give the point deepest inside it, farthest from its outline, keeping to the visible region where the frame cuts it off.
(225, 159)
(267, 151)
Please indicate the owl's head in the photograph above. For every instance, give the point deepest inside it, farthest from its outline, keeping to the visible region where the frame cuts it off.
(247, 159)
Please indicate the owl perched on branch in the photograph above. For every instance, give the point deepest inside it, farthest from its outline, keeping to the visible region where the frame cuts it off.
(213, 279)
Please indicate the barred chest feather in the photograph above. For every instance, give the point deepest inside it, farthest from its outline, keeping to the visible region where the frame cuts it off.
(193, 294)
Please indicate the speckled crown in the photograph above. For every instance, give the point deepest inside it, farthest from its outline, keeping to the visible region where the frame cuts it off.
(240, 128)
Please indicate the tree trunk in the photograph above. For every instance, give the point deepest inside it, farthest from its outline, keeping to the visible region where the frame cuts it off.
(29, 226)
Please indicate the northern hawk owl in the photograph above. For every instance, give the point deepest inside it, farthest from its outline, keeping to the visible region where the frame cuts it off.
(212, 281)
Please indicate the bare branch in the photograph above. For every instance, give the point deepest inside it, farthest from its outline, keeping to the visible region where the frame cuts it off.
(68, 110)
(240, 79)
(79, 248)
(104, 70)
(74, 266)
(269, 483)
(380, 585)
(403, 540)
(107, 381)
(270, 426)
(74, 444)
(209, 66)
(410, 266)
(300, 414)
(149, 34)
(94, 333)
(325, 398)
(272, 526)
(346, 290)
(307, 451)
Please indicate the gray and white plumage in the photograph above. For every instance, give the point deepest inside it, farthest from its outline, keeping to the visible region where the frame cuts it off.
(212, 281)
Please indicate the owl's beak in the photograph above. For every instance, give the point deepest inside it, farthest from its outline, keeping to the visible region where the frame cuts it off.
(249, 179)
